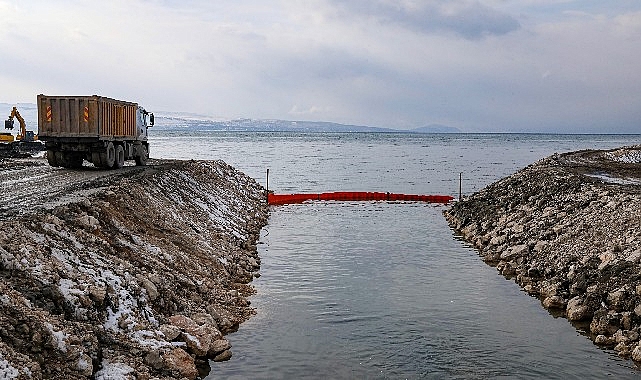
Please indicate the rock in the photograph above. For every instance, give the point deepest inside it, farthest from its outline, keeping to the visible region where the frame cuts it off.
(198, 341)
(204, 319)
(604, 322)
(218, 346)
(180, 362)
(89, 221)
(97, 294)
(617, 299)
(84, 365)
(154, 359)
(622, 350)
(498, 240)
(606, 259)
(223, 356)
(540, 246)
(603, 340)
(576, 311)
(637, 310)
(515, 251)
(171, 332)
(636, 353)
(554, 302)
(182, 322)
(149, 287)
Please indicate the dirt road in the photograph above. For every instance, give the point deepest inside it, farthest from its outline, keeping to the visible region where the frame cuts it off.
(28, 185)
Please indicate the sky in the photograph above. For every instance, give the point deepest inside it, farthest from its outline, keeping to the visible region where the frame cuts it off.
(559, 66)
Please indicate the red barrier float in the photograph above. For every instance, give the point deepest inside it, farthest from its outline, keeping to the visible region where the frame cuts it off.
(282, 199)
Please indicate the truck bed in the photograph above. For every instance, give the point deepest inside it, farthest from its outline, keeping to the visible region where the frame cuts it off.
(85, 117)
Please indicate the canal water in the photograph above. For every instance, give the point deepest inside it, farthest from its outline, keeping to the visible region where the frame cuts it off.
(378, 290)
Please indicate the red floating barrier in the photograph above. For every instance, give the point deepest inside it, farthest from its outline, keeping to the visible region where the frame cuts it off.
(281, 199)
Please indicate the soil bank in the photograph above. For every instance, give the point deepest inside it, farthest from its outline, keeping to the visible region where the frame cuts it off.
(134, 273)
(568, 230)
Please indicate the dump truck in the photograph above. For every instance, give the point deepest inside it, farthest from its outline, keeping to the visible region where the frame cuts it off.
(104, 131)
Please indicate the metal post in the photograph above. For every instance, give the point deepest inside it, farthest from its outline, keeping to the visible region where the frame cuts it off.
(267, 181)
(460, 186)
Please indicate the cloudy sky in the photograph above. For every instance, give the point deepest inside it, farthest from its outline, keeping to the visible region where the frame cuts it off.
(477, 65)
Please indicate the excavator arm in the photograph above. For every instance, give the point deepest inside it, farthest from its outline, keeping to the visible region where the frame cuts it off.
(23, 125)
(24, 134)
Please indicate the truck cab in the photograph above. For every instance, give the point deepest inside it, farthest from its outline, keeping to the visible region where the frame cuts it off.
(144, 120)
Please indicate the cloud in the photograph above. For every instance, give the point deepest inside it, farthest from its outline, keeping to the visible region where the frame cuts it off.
(467, 18)
(483, 65)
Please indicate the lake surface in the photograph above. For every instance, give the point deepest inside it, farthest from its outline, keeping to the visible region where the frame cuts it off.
(353, 290)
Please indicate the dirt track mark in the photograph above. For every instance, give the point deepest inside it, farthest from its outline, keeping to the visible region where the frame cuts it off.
(27, 186)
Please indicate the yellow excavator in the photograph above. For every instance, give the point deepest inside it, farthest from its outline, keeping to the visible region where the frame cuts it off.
(26, 136)
(25, 144)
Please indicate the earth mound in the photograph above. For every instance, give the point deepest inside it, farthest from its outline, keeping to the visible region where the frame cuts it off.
(568, 230)
(133, 273)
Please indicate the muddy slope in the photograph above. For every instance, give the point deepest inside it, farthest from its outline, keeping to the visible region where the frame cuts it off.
(568, 230)
(135, 273)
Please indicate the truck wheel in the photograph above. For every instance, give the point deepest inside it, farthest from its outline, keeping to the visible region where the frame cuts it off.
(60, 159)
(141, 160)
(119, 162)
(74, 160)
(95, 159)
(51, 158)
(108, 158)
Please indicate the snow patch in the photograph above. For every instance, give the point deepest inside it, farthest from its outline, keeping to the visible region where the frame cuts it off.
(625, 156)
(113, 371)
(619, 181)
(6, 370)
(60, 337)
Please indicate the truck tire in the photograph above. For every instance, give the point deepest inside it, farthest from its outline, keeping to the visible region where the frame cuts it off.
(73, 160)
(51, 158)
(119, 162)
(141, 160)
(60, 158)
(95, 159)
(108, 157)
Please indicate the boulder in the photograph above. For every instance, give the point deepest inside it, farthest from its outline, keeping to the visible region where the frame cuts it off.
(218, 346)
(604, 322)
(576, 311)
(180, 362)
(515, 251)
(223, 356)
(636, 353)
(554, 302)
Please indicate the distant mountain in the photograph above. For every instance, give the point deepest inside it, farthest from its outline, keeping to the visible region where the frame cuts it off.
(183, 120)
(166, 122)
(436, 128)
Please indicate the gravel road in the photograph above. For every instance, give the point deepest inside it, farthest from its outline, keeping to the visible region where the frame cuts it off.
(29, 185)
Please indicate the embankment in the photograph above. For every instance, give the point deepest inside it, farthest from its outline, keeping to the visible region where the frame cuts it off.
(135, 273)
(568, 230)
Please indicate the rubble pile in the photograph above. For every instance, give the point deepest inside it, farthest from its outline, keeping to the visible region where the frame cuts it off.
(141, 277)
(568, 230)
